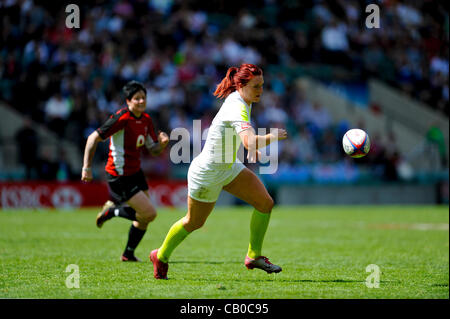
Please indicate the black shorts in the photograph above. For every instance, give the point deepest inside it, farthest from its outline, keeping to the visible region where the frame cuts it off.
(122, 188)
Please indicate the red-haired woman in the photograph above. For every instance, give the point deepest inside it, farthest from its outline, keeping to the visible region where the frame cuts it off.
(217, 168)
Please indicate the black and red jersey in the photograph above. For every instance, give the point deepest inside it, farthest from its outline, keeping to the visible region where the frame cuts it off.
(127, 135)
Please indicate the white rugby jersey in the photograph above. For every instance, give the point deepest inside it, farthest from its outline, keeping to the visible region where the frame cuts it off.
(223, 141)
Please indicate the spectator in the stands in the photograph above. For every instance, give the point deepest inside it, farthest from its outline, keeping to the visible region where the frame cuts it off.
(435, 138)
(28, 146)
(64, 171)
(335, 44)
(47, 168)
(57, 112)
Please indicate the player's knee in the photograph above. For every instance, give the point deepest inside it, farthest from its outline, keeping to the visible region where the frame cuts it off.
(266, 205)
(152, 215)
(148, 216)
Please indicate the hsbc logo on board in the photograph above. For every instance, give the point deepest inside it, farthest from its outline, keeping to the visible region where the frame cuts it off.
(22, 196)
(73, 195)
(66, 197)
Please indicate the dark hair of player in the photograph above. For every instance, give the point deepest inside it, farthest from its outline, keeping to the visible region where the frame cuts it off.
(236, 78)
(131, 88)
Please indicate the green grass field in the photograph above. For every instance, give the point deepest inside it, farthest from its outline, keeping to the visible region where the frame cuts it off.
(324, 252)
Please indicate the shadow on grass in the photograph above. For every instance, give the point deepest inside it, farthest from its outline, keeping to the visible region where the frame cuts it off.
(440, 285)
(275, 279)
(206, 262)
(286, 280)
(344, 281)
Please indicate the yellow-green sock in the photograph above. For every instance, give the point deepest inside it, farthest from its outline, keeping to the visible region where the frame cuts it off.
(258, 227)
(177, 233)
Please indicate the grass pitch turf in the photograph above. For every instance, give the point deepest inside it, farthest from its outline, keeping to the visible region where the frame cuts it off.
(324, 252)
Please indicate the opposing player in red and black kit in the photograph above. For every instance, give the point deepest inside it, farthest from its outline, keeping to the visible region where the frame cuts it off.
(129, 129)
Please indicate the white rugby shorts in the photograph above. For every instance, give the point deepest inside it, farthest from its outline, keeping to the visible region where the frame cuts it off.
(205, 183)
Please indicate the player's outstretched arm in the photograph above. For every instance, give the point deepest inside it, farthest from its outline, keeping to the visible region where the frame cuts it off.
(89, 151)
(253, 142)
(156, 148)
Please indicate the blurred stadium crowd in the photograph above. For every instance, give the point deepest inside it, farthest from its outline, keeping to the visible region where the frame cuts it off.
(71, 79)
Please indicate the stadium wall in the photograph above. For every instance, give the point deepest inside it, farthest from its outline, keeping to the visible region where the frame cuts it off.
(357, 195)
(384, 194)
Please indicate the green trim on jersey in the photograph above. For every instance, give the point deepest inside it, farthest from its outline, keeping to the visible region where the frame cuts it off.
(244, 113)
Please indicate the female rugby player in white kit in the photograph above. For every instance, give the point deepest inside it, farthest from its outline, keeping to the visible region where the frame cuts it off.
(209, 173)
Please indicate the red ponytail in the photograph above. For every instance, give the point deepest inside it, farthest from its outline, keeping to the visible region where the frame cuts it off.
(236, 78)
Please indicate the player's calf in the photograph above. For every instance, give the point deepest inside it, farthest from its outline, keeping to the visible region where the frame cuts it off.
(191, 224)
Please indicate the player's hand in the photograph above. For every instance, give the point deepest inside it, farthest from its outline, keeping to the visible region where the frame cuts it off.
(254, 156)
(280, 134)
(163, 139)
(86, 174)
